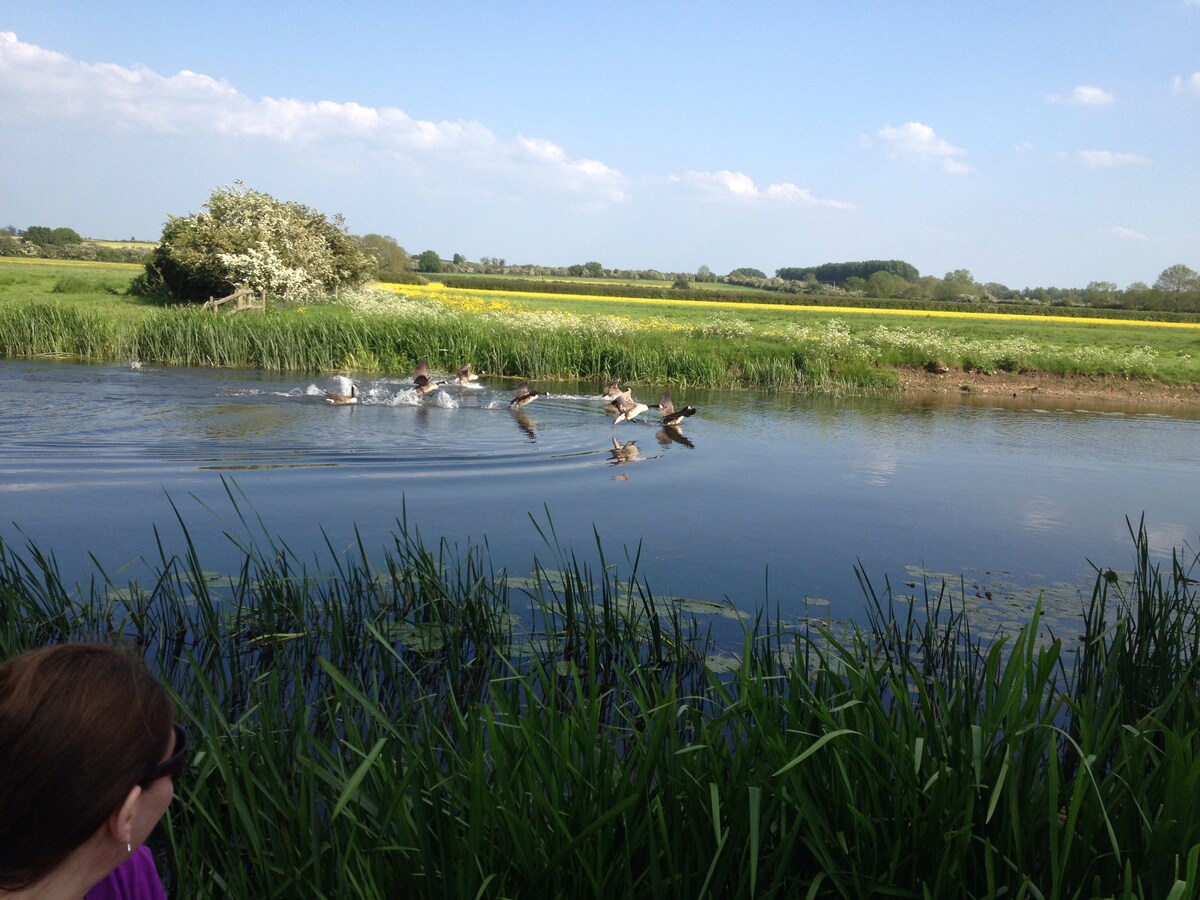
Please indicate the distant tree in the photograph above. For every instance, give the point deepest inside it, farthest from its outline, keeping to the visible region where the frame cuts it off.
(885, 284)
(594, 269)
(956, 284)
(704, 273)
(51, 237)
(1100, 293)
(390, 258)
(283, 250)
(1177, 279)
(61, 237)
(838, 273)
(459, 259)
(747, 272)
(36, 234)
(681, 283)
(429, 261)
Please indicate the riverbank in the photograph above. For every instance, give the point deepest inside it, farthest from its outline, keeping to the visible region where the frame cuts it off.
(1101, 390)
(394, 731)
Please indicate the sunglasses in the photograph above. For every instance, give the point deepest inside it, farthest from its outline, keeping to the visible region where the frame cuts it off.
(173, 764)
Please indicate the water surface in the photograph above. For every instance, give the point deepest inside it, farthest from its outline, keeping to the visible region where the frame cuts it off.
(760, 498)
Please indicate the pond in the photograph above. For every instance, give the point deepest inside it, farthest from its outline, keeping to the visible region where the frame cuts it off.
(761, 499)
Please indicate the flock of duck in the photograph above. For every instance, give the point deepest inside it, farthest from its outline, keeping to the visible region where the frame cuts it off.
(620, 401)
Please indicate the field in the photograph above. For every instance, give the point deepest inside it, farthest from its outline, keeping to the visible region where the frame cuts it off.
(84, 310)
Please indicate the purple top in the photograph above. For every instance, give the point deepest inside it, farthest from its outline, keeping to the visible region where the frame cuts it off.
(135, 879)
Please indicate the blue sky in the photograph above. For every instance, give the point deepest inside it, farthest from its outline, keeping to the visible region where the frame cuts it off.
(1035, 144)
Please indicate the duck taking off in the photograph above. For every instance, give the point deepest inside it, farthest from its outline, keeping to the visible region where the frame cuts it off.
(670, 415)
(522, 395)
(420, 377)
(465, 375)
(627, 408)
(612, 390)
(343, 399)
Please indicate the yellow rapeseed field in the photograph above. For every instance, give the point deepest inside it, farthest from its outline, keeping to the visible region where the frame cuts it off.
(38, 261)
(464, 299)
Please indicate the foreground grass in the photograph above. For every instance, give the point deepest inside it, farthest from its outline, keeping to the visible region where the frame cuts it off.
(79, 312)
(420, 727)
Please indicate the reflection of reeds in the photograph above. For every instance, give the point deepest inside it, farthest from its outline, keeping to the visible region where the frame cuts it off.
(422, 727)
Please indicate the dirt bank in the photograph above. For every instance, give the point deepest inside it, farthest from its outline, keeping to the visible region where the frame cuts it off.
(1103, 391)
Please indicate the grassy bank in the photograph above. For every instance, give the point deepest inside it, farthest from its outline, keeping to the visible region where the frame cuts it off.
(420, 726)
(82, 312)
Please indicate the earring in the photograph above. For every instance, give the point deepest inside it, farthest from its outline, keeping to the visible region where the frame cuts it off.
(129, 848)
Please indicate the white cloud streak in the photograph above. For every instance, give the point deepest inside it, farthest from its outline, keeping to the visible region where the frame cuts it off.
(1126, 234)
(1189, 85)
(741, 186)
(1109, 159)
(1084, 95)
(916, 142)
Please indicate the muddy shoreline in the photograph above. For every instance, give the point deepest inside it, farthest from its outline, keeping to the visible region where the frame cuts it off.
(1101, 392)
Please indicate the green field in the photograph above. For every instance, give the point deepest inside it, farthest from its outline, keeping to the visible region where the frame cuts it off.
(76, 309)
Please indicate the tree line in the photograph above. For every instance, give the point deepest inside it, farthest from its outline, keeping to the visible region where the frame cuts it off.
(291, 252)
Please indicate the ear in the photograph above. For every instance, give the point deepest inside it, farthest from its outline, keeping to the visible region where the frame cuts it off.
(120, 823)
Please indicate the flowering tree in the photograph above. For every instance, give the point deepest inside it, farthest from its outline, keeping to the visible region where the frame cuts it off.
(283, 250)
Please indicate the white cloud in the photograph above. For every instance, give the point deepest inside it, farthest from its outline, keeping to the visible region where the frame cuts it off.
(917, 142)
(577, 174)
(1109, 159)
(1084, 95)
(740, 185)
(1126, 234)
(37, 83)
(1190, 85)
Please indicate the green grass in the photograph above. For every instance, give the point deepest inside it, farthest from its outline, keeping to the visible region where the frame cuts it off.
(421, 725)
(81, 311)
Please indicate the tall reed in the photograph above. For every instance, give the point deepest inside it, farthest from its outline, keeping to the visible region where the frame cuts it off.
(420, 725)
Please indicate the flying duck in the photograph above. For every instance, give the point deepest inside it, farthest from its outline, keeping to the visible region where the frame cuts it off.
(342, 399)
(522, 395)
(670, 415)
(420, 377)
(627, 408)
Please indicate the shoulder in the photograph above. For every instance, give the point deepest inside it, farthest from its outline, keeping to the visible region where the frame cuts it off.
(135, 879)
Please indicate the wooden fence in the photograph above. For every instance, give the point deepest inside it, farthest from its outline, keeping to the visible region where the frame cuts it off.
(242, 299)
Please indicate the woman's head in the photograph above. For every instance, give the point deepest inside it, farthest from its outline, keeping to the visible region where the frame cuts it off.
(80, 726)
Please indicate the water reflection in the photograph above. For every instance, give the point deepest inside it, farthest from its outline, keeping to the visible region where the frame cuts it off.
(624, 453)
(526, 423)
(670, 434)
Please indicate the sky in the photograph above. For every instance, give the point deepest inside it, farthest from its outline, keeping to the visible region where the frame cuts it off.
(1033, 144)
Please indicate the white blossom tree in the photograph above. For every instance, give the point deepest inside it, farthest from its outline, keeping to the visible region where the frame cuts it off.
(284, 250)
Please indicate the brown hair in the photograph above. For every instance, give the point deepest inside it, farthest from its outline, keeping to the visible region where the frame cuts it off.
(80, 724)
